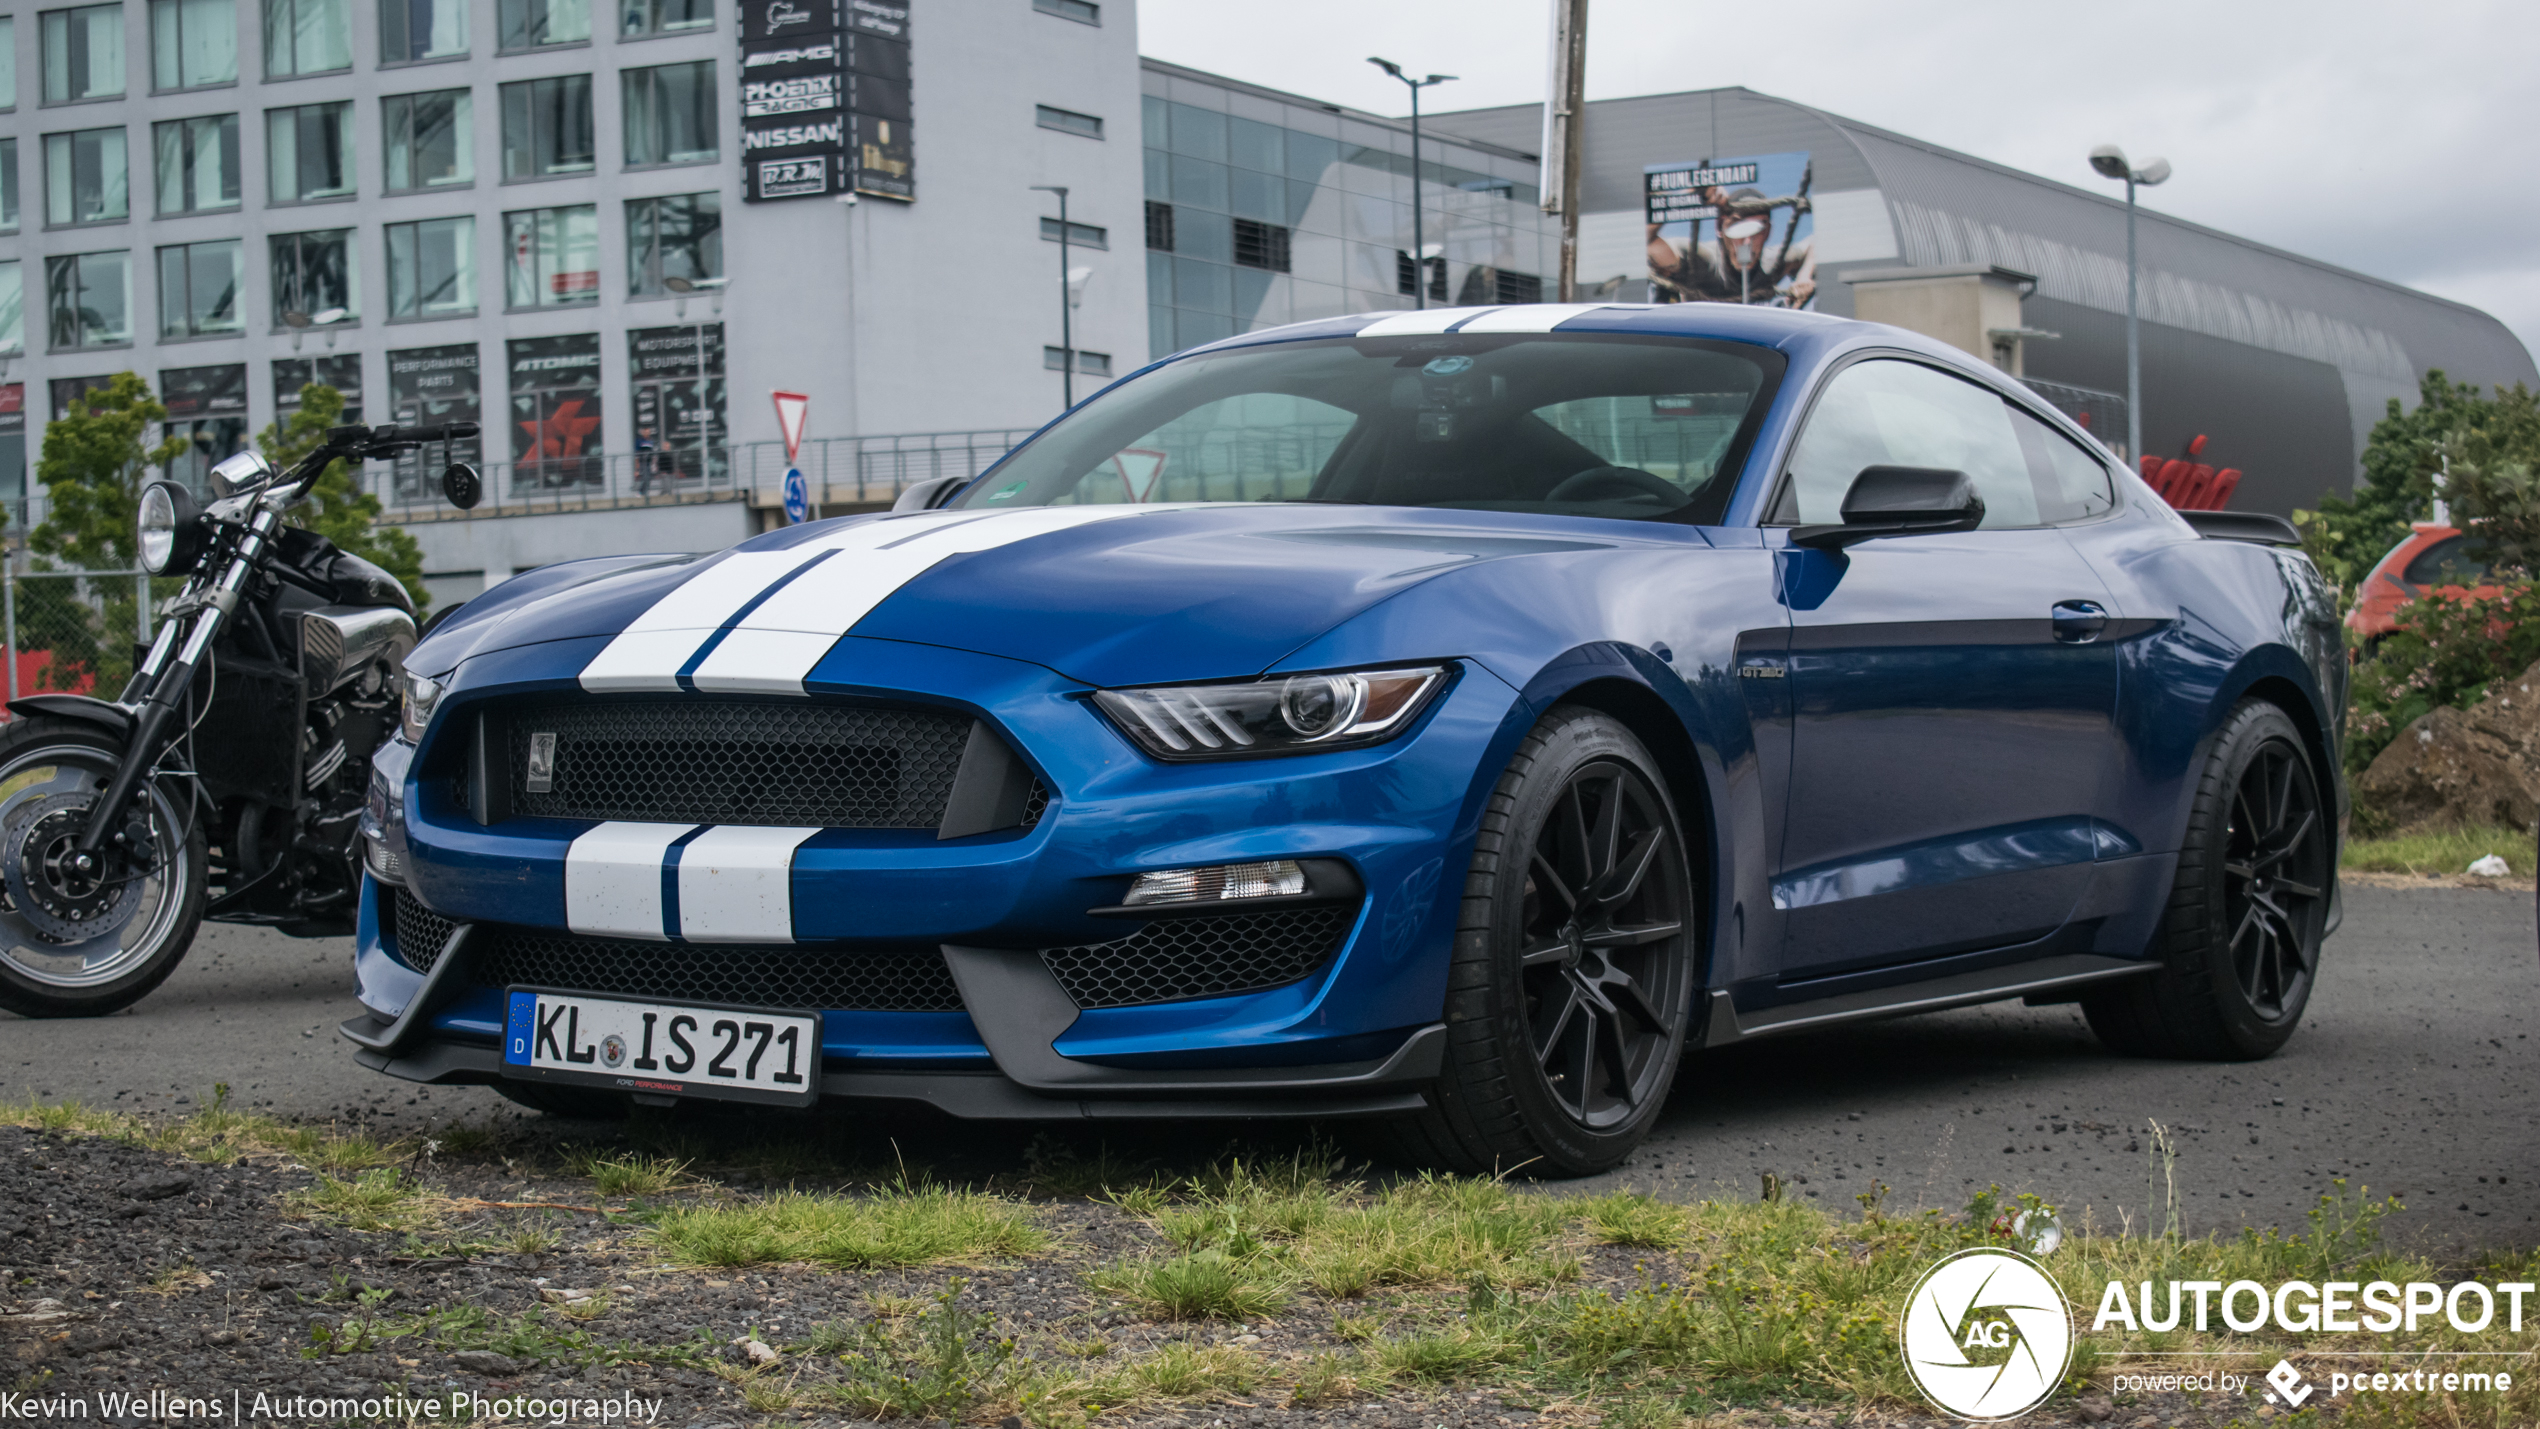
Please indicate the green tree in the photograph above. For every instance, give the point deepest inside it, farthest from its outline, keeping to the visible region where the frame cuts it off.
(2347, 535)
(2492, 478)
(94, 463)
(337, 506)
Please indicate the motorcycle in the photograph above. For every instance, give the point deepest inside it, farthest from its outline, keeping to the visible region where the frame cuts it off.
(226, 783)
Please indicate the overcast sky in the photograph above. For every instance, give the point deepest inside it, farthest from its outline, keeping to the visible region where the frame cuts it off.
(2399, 140)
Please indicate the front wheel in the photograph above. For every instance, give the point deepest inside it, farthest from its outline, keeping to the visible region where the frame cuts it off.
(84, 944)
(1571, 986)
(2239, 944)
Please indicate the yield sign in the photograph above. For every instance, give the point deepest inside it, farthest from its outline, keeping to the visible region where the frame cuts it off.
(1139, 467)
(791, 409)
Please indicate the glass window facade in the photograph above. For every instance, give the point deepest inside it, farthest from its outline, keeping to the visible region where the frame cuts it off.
(89, 296)
(680, 434)
(12, 306)
(547, 130)
(551, 257)
(207, 410)
(412, 30)
(198, 289)
(313, 274)
(87, 177)
(193, 43)
(676, 237)
(534, 24)
(8, 69)
(309, 152)
(1067, 121)
(343, 372)
(666, 17)
(432, 268)
(8, 185)
(83, 54)
(429, 142)
(670, 115)
(197, 163)
(1250, 224)
(307, 37)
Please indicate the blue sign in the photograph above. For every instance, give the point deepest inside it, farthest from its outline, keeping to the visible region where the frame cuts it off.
(797, 496)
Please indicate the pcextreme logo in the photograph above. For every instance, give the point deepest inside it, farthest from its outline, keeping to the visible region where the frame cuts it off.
(1986, 1335)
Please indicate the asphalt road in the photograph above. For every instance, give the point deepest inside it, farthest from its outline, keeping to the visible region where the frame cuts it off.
(2412, 1076)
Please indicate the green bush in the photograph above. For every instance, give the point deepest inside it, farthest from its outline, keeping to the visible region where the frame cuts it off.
(2445, 652)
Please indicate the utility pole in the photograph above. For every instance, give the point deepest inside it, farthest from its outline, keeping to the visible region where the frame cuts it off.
(1419, 240)
(1066, 309)
(1564, 132)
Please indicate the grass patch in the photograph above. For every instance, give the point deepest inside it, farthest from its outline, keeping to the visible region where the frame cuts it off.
(935, 1364)
(2444, 852)
(385, 1199)
(1204, 1285)
(627, 1173)
(891, 1229)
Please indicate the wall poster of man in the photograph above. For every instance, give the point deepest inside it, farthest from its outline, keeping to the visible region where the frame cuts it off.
(1736, 230)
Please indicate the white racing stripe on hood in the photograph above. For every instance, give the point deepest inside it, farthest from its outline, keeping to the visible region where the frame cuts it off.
(612, 879)
(775, 646)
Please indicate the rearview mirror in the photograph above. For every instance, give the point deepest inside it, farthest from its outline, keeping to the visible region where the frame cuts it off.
(461, 484)
(1899, 501)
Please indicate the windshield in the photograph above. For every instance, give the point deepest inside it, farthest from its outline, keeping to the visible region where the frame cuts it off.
(1631, 427)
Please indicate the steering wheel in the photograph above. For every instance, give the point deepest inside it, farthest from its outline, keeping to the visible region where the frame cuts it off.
(1608, 482)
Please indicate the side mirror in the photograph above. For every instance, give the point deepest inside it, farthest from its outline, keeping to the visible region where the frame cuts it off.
(461, 484)
(1899, 501)
(926, 495)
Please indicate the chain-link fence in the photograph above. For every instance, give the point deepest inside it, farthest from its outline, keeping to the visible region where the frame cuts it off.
(76, 632)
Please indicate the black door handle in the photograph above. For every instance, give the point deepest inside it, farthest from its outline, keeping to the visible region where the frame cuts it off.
(2078, 622)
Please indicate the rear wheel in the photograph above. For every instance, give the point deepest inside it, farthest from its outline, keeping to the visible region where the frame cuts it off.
(80, 942)
(2239, 944)
(1572, 980)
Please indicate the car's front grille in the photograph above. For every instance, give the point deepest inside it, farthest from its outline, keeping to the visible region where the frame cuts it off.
(1177, 959)
(814, 977)
(715, 761)
(415, 933)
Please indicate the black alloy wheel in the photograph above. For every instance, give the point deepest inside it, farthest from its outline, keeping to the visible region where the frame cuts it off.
(2275, 888)
(2236, 952)
(1603, 989)
(1570, 990)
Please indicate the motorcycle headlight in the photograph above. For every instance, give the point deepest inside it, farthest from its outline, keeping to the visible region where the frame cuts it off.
(415, 712)
(169, 530)
(1284, 714)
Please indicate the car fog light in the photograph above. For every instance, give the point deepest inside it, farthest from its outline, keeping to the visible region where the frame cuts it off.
(383, 864)
(1277, 878)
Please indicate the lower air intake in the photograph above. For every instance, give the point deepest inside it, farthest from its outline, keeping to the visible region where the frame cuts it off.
(812, 977)
(1178, 959)
(416, 934)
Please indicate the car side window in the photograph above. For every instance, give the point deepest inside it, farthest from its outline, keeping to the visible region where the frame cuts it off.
(2450, 561)
(1891, 412)
(2072, 485)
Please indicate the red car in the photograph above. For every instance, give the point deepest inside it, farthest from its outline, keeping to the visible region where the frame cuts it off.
(2435, 559)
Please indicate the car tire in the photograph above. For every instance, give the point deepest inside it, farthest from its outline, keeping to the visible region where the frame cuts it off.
(1566, 1014)
(2239, 943)
(576, 1103)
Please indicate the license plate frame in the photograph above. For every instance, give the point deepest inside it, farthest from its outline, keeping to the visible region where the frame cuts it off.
(526, 1038)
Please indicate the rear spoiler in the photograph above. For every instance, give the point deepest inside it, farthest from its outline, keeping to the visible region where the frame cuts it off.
(2255, 527)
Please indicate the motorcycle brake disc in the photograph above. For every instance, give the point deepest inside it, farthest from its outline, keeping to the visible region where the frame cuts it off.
(37, 845)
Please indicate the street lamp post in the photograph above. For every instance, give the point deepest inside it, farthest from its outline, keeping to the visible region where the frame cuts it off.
(1066, 309)
(2111, 163)
(1419, 244)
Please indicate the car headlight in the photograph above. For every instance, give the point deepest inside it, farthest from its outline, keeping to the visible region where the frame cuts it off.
(422, 698)
(168, 530)
(1284, 714)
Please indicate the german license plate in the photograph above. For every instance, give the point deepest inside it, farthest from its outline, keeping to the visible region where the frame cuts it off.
(662, 1049)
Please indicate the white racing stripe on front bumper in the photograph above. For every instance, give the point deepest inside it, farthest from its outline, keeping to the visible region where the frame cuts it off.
(612, 879)
(736, 885)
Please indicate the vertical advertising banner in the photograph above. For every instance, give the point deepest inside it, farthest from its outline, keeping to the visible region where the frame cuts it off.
(428, 386)
(1732, 231)
(679, 404)
(824, 99)
(555, 388)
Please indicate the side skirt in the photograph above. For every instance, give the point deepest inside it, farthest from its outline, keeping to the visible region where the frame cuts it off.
(1723, 1024)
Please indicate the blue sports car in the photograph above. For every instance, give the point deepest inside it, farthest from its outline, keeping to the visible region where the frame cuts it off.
(1448, 717)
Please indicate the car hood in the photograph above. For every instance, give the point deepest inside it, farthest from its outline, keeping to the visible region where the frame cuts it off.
(1104, 595)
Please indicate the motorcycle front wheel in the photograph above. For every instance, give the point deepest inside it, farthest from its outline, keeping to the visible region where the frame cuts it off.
(85, 947)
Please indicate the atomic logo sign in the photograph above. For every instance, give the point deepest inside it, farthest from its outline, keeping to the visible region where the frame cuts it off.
(1986, 1335)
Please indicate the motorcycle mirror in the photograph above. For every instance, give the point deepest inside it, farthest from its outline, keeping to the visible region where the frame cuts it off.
(238, 472)
(462, 485)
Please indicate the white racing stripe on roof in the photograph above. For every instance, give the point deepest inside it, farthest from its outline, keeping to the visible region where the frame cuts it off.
(771, 650)
(736, 884)
(1431, 320)
(1534, 317)
(612, 879)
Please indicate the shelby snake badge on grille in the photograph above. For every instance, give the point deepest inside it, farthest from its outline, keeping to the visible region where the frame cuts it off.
(542, 763)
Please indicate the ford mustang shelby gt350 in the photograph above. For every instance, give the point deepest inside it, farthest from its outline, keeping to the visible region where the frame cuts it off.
(1446, 716)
